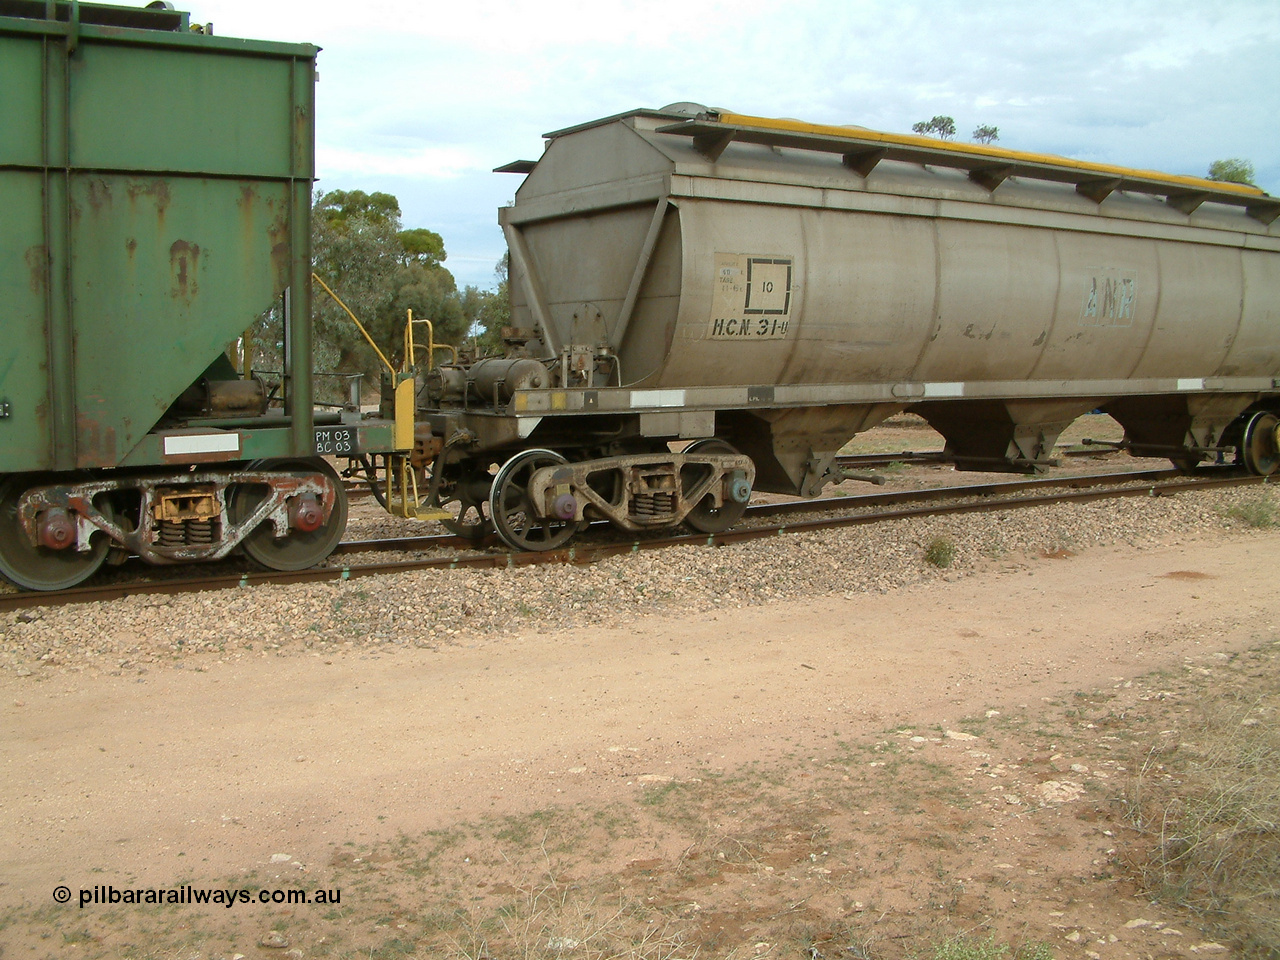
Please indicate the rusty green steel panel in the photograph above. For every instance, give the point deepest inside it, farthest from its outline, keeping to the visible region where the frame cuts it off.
(268, 442)
(24, 267)
(24, 277)
(172, 111)
(154, 199)
(20, 68)
(167, 271)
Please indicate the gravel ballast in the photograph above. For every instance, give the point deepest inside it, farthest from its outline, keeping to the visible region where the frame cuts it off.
(434, 608)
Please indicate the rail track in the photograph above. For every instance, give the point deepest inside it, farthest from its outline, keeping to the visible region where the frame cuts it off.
(864, 461)
(761, 521)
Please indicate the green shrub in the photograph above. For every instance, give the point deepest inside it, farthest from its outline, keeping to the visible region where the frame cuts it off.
(1258, 512)
(941, 552)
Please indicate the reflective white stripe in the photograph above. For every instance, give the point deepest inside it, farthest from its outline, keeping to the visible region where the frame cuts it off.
(201, 443)
(1191, 384)
(525, 425)
(944, 389)
(657, 398)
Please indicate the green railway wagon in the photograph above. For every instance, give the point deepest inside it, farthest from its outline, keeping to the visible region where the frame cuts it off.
(155, 192)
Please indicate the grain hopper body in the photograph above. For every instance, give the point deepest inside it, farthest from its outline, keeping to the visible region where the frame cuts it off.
(783, 266)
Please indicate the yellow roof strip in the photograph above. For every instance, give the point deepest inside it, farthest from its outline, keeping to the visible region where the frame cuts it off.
(981, 150)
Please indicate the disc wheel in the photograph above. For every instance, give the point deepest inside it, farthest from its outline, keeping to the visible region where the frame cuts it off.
(514, 517)
(706, 517)
(34, 567)
(299, 549)
(1258, 447)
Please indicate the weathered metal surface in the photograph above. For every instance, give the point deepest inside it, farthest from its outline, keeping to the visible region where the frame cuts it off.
(264, 440)
(639, 492)
(780, 265)
(78, 15)
(184, 516)
(156, 190)
(742, 266)
(224, 398)
(860, 149)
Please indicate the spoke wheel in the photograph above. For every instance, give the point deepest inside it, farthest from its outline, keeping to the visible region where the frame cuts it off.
(513, 515)
(34, 567)
(470, 492)
(1258, 448)
(299, 549)
(706, 517)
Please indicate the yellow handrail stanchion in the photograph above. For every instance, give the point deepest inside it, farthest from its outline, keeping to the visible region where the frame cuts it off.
(246, 354)
(400, 473)
(401, 479)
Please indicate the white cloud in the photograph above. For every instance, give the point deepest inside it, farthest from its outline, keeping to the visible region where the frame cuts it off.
(427, 163)
(428, 98)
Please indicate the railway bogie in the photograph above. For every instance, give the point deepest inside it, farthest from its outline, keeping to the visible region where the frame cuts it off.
(56, 532)
(704, 305)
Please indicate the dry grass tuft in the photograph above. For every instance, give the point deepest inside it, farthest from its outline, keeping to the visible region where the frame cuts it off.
(1212, 809)
(565, 922)
(1258, 511)
(972, 948)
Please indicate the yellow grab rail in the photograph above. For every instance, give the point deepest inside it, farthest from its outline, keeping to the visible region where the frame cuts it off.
(432, 346)
(354, 319)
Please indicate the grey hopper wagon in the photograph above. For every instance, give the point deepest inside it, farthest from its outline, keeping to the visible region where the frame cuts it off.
(771, 288)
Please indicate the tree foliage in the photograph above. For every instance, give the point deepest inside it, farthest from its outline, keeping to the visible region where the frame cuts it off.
(942, 127)
(423, 246)
(488, 311)
(380, 271)
(1232, 170)
(356, 252)
(337, 207)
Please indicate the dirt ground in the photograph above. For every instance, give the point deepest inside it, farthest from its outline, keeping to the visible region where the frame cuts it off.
(841, 776)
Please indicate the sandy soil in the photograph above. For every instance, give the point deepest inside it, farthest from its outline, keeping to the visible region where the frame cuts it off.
(851, 776)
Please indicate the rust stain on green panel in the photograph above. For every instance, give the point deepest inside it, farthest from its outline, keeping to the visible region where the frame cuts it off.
(37, 258)
(184, 268)
(95, 443)
(155, 190)
(99, 196)
(281, 252)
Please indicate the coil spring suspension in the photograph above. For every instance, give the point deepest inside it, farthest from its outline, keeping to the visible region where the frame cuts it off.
(652, 505)
(185, 533)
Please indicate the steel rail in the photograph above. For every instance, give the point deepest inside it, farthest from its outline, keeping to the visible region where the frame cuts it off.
(591, 553)
(942, 456)
(809, 506)
(857, 460)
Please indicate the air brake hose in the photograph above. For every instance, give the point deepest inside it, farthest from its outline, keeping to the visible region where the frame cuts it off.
(370, 474)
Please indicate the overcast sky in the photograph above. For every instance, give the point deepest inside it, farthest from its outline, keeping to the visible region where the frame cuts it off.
(423, 100)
